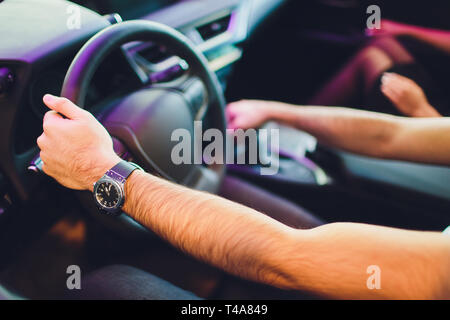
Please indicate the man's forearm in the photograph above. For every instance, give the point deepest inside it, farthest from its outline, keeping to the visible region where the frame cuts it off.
(423, 140)
(357, 131)
(225, 234)
(411, 264)
(331, 260)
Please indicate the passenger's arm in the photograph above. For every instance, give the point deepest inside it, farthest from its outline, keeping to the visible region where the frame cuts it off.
(434, 37)
(372, 134)
(437, 38)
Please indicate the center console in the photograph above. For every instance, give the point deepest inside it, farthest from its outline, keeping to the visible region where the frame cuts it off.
(292, 153)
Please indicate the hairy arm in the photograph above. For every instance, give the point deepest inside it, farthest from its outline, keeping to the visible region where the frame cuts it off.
(425, 140)
(331, 260)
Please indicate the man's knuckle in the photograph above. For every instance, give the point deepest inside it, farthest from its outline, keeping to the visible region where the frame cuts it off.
(40, 141)
(47, 124)
(46, 115)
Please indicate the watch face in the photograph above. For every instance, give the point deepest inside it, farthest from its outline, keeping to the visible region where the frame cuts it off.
(108, 195)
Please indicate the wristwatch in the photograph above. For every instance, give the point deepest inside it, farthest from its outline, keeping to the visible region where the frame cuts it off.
(109, 193)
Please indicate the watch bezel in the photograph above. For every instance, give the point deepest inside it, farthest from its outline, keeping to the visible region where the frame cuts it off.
(111, 210)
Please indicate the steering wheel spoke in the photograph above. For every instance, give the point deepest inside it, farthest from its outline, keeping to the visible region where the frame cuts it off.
(204, 179)
(194, 91)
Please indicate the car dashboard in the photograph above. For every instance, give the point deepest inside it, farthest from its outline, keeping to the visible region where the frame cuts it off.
(38, 46)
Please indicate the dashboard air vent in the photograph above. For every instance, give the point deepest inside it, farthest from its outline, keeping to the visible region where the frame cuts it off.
(214, 28)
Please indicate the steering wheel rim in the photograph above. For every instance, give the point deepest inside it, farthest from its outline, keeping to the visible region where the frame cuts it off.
(91, 55)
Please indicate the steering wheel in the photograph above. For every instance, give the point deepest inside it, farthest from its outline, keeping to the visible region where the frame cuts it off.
(143, 121)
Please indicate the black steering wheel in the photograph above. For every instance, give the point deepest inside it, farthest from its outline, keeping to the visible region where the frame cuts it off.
(144, 120)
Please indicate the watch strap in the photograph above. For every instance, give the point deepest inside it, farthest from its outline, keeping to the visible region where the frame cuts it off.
(121, 171)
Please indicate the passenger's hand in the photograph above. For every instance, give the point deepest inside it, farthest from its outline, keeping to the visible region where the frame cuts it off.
(76, 150)
(407, 96)
(246, 114)
(390, 28)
